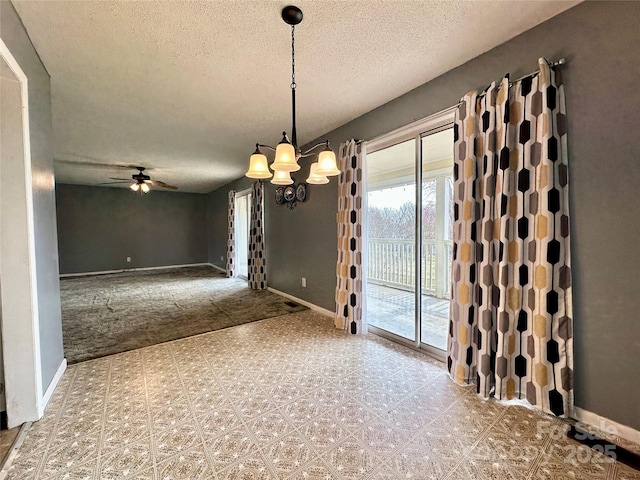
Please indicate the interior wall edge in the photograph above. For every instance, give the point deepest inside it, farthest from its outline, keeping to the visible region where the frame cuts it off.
(52, 385)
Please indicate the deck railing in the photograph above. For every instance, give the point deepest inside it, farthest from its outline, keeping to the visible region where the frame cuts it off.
(392, 262)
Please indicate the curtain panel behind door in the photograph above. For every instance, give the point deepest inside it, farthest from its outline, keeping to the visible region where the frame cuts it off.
(348, 315)
(257, 260)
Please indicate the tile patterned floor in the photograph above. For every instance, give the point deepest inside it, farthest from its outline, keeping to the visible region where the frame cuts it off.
(289, 398)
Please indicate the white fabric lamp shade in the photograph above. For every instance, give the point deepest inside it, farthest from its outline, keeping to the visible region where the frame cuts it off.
(314, 178)
(258, 167)
(285, 158)
(327, 164)
(281, 177)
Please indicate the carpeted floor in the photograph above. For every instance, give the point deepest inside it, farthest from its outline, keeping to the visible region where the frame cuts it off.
(107, 314)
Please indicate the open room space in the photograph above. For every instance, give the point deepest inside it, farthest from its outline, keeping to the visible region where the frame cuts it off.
(372, 240)
(112, 313)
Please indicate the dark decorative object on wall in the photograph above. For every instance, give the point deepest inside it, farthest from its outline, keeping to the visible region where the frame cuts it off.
(291, 195)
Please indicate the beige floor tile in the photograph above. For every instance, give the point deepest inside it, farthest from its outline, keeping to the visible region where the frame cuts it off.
(290, 398)
(250, 467)
(191, 464)
(288, 454)
(350, 459)
(127, 462)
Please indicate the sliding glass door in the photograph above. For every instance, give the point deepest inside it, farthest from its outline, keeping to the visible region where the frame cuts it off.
(391, 214)
(409, 210)
(437, 221)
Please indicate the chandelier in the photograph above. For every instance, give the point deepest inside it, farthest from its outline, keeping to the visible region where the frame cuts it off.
(287, 151)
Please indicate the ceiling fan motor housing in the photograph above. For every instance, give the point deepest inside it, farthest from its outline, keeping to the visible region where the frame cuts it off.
(140, 177)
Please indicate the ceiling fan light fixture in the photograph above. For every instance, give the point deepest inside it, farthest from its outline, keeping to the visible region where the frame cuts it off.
(258, 166)
(135, 187)
(314, 178)
(144, 187)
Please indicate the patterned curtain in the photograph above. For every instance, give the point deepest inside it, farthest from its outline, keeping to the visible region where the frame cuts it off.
(349, 218)
(511, 329)
(231, 242)
(257, 261)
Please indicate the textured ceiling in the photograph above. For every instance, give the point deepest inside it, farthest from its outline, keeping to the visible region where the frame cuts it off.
(187, 88)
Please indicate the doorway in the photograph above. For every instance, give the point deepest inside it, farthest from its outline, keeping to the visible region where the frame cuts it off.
(409, 191)
(242, 226)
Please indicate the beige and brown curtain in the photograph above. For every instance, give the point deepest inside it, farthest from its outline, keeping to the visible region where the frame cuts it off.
(231, 232)
(257, 260)
(511, 329)
(349, 266)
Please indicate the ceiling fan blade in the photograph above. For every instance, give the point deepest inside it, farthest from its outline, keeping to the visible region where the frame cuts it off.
(162, 184)
(84, 163)
(123, 179)
(111, 183)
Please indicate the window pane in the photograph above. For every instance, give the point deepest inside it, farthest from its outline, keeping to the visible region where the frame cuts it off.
(437, 167)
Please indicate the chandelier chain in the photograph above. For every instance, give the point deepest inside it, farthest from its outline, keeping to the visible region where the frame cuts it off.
(293, 57)
(287, 153)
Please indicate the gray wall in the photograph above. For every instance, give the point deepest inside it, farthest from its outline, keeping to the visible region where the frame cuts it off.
(15, 37)
(99, 227)
(601, 42)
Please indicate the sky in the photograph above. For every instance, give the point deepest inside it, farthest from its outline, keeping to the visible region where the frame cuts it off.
(392, 197)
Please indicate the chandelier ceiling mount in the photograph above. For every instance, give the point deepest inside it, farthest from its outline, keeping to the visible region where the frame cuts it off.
(287, 152)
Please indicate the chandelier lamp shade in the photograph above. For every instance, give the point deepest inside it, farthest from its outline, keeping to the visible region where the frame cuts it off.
(314, 178)
(287, 153)
(282, 177)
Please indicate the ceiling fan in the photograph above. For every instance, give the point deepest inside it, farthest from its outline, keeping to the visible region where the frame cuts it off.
(141, 182)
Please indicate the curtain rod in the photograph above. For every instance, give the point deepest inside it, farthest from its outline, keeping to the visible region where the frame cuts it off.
(558, 63)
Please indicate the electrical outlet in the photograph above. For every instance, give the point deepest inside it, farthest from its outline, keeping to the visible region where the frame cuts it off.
(128, 259)
(304, 282)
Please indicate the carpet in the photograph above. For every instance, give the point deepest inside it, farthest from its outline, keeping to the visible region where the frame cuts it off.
(107, 314)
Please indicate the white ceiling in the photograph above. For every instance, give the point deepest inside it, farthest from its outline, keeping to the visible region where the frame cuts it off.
(187, 88)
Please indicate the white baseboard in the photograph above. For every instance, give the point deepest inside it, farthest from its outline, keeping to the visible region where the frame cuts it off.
(217, 268)
(140, 269)
(606, 425)
(312, 306)
(52, 386)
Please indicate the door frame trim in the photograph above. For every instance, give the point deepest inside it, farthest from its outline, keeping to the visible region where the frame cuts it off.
(417, 130)
(21, 333)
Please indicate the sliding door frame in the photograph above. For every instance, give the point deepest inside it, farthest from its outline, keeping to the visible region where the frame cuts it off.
(247, 192)
(435, 123)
